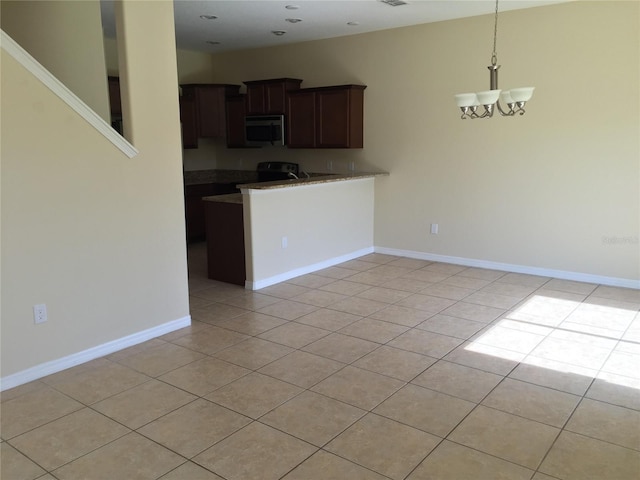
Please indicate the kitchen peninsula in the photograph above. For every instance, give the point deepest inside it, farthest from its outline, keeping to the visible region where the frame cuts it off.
(290, 227)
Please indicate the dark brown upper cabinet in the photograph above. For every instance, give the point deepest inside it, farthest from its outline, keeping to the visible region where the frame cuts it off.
(115, 104)
(188, 123)
(236, 111)
(210, 106)
(326, 117)
(268, 97)
(301, 119)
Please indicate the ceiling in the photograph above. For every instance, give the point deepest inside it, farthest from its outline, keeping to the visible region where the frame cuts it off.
(242, 24)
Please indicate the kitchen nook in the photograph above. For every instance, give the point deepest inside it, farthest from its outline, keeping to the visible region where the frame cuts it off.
(279, 220)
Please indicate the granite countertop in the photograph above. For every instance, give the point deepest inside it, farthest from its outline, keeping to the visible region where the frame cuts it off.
(247, 179)
(315, 178)
(229, 198)
(199, 177)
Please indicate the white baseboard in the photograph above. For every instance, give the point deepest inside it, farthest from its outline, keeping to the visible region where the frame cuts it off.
(74, 359)
(266, 282)
(508, 267)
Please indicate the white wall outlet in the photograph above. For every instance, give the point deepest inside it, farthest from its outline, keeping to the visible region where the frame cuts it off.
(285, 242)
(40, 313)
(330, 165)
(434, 228)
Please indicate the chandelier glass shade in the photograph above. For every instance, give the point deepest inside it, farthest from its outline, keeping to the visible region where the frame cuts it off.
(514, 99)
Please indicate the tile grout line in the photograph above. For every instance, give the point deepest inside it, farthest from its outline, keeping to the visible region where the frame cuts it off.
(308, 389)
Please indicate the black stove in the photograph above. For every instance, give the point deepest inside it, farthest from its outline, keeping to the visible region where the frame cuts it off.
(273, 171)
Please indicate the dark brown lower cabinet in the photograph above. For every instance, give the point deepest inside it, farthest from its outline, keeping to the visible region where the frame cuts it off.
(225, 242)
(194, 206)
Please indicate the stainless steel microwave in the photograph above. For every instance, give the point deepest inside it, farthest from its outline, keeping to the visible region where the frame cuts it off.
(264, 130)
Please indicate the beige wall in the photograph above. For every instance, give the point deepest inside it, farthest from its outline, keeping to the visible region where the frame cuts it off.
(111, 56)
(555, 189)
(193, 67)
(97, 237)
(322, 222)
(66, 37)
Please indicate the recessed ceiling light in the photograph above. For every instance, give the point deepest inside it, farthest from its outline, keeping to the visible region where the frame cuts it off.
(394, 3)
(353, 24)
(278, 33)
(208, 17)
(212, 42)
(293, 20)
(292, 7)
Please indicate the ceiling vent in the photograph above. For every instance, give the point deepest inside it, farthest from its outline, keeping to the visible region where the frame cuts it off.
(394, 3)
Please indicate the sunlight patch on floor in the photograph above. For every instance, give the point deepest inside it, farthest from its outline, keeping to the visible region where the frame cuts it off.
(596, 338)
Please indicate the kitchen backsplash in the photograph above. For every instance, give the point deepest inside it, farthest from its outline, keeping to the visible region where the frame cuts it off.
(202, 158)
(213, 154)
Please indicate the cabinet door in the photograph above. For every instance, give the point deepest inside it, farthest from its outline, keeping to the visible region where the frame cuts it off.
(268, 97)
(225, 242)
(340, 117)
(275, 95)
(210, 105)
(332, 109)
(194, 210)
(188, 123)
(235, 121)
(274, 101)
(326, 117)
(301, 118)
(195, 206)
(115, 104)
(255, 99)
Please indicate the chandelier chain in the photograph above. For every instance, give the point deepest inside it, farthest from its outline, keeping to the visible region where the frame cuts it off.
(494, 55)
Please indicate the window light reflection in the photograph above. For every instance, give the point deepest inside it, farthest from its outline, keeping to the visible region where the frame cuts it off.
(580, 341)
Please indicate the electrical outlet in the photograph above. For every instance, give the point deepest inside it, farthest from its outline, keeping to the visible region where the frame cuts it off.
(434, 228)
(39, 313)
(285, 242)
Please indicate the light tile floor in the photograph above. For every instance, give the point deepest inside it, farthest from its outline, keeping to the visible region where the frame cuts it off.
(378, 368)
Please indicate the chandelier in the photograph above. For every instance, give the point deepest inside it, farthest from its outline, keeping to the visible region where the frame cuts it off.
(515, 99)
